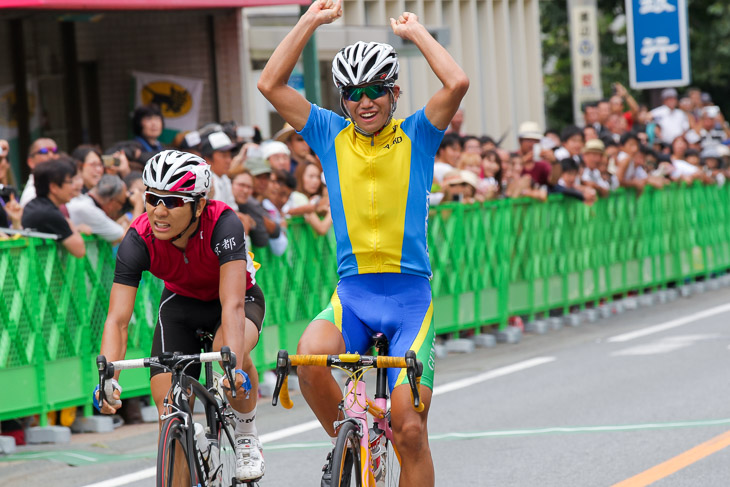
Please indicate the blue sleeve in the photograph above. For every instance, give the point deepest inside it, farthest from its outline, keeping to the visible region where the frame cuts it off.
(424, 136)
(321, 129)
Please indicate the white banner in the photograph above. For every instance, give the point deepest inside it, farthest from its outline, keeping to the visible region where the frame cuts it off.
(179, 98)
(585, 55)
(8, 110)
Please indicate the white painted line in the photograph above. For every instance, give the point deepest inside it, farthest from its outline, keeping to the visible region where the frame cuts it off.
(83, 457)
(491, 374)
(126, 479)
(312, 425)
(670, 324)
(291, 431)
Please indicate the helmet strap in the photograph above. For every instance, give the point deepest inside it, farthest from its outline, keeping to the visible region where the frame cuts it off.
(192, 219)
(393, 106)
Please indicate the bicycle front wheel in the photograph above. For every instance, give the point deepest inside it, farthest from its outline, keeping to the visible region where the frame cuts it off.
(346, 457)
(225, 457)
(173, 467)
(391, 477)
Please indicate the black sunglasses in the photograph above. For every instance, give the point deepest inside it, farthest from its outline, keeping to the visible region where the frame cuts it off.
(171, 201)
(354, 93)
(45, 150)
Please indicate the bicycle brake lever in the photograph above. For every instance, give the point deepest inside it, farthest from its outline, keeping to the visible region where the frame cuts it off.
(282, 371)
(101, 366)
(413, 372)
(229, 363)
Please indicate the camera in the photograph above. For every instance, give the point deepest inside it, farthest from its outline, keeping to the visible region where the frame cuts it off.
(110, 161)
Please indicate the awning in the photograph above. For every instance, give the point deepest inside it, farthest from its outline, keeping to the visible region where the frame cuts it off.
(102, 5)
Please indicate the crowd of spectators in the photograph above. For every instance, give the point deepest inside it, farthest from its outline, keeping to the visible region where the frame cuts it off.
(622, 144)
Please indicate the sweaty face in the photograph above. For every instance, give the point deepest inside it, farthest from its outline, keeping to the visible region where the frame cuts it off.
(371, 114)
(168, 223)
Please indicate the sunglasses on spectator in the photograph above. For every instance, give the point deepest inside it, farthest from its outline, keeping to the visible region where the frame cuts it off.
(45, 150)
(171, 201)
(354, 93)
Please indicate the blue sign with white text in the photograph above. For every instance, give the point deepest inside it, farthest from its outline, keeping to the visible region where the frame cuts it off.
(658, 44)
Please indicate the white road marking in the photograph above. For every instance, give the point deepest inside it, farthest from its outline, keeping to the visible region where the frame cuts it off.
(670, 324)
(665, 345)
(491, 374)
(311, 425)
(126, 479)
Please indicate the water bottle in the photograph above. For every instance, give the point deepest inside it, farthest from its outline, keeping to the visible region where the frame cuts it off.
(378, 455)
(201, 442)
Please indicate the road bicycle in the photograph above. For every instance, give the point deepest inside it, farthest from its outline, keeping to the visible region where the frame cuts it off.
(364, 455)
(208, 451)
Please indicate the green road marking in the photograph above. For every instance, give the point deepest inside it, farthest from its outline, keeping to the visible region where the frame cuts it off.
(83, 457)
(76, 457)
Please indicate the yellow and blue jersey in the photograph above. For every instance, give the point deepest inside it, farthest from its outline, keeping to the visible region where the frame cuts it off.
(378, 189)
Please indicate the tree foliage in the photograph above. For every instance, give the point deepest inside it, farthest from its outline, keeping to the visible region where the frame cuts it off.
(709, 40)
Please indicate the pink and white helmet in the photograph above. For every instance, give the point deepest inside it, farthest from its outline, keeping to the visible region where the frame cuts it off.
(172, 170)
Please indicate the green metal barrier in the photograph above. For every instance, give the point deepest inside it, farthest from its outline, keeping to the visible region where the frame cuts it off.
(490, 261)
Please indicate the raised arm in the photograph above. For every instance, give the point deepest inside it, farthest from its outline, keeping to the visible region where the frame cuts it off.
(290, 104)
(442, 106)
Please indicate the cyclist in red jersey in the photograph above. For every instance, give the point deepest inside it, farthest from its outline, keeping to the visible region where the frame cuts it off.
(196, 246)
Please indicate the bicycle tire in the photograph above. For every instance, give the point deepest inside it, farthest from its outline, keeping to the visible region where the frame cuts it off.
(172, 443)
(346, 457)
(225, 460)
(392, 465)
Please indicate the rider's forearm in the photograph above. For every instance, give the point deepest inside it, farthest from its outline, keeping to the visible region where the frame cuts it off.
(114, 341)
(442, 64)
(282, 62)
(233, 322)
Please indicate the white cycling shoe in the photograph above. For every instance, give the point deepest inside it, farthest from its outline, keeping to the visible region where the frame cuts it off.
(249, 458)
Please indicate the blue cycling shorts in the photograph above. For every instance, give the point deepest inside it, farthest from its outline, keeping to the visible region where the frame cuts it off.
(397, 305)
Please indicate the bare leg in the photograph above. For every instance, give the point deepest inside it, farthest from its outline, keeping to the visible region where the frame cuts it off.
(410, 434)
(319, 388)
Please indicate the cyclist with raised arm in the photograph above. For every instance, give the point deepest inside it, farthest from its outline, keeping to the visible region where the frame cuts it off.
(379, 172)
(196, 246)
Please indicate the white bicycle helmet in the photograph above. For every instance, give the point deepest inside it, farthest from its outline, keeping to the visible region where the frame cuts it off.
(172, 170)
(365, 62)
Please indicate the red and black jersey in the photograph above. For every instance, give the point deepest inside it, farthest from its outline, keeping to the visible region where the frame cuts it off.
(195, 271)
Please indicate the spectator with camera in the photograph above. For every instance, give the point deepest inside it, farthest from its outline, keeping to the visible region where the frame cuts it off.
(101, 208)
(92, 168)
(54, 187)
(41, 150)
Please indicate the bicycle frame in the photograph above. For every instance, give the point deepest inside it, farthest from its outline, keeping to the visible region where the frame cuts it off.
(182, 389)
(356, 404)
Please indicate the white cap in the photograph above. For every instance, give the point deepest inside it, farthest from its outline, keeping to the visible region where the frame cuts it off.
(274, 147)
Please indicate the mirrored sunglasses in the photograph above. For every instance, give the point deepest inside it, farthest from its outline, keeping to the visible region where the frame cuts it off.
(354, 93)
(170, 201)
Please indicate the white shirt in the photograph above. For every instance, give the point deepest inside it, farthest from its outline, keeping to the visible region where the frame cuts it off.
(223, 190)
(277, 245)
(673, 122)
(28, 192)
(682, 168)
(594, 176)
(440, 169)
(82, 209)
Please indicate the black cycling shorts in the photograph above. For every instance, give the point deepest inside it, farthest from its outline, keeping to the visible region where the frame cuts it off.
(179, 317)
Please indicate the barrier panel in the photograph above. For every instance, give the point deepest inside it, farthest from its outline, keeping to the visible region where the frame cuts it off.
(490, 261)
